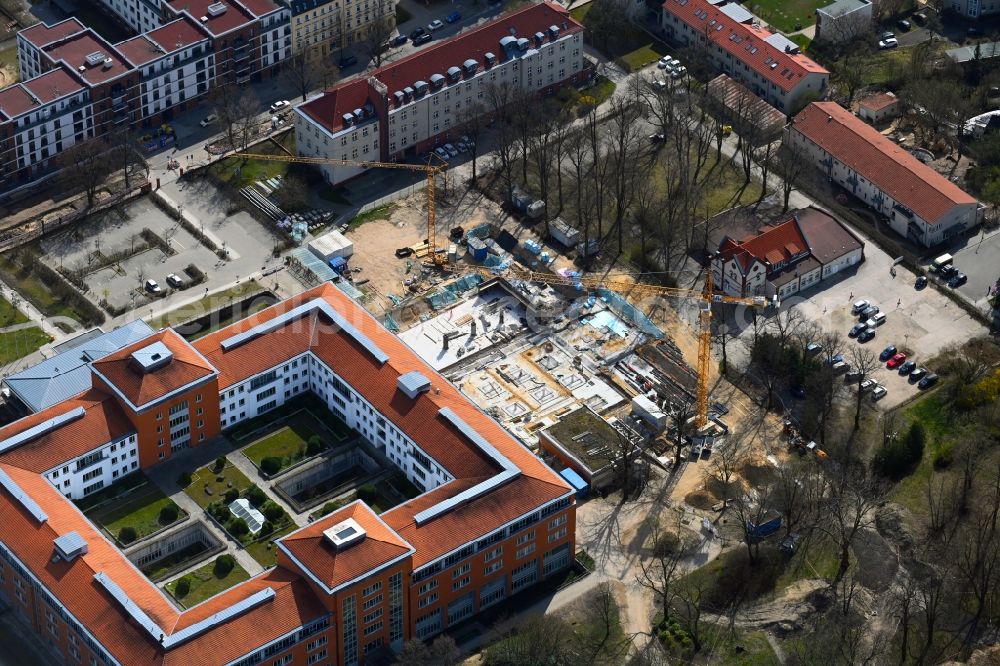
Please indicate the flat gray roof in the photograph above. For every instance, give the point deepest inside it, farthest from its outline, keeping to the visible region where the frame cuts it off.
(968, 53)
(842, 7)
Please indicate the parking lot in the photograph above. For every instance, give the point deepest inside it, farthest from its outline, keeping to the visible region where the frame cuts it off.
(978, 258)
(922, 322)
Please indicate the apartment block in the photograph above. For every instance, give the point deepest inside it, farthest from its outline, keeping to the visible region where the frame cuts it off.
(414, 104)
(323, 28)
(491, 519)
(769, 64)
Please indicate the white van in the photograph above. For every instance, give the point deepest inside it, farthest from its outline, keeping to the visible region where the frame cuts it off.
(941, 262)
(877, 319)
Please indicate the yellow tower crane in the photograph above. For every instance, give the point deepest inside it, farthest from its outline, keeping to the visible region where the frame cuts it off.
(624, 284)
(431, 170)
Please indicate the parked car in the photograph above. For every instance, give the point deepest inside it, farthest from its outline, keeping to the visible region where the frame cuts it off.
(436, 24)
(878, 392)
(422, 39)
(888, 34)
(442, 153)
(660, 85)
(175, 281)
(919, 18)
(450, 149)
(868, 312)
(907, 367)
(896, 360)
(928, 381)
(852, 376)
(903, 25)
(867, 385)
(278, 106)
(890, 43)
(917, 374)
(347, 61)
(921, 282)
(841, 366)
(454, 17)
(399, 40)
(835, 359)
(866, 334)
(416, 32)
(887, 353)
(153, 287)
(859, 306)
(209, 119)
(947, 272)
(814, 347)
(958, 280)
(678, 72)
(856, 330)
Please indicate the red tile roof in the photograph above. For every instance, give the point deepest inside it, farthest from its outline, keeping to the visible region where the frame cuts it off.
(73, 584)
(879, 101)
(234, 16)
(74, 51)
(177, 34)
(774, 245)
(140, 388)
(890, 168)
(437, 57)
(334, 567)
(41, 34)
(745, 42)
(102, 422)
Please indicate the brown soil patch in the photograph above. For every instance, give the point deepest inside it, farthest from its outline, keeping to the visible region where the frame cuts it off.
(701, 499)
(757, 474)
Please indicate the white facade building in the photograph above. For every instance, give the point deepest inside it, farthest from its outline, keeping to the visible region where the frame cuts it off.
(140, 15)
(843, 20)
(101, 467)
(410, 106)
(916, 201)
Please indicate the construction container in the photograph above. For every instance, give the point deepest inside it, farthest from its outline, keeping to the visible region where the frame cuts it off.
(339, 265)
(535, 209)
(452, 253)
(330, 245)
(561, 231)
(647, 410)
(478, 249)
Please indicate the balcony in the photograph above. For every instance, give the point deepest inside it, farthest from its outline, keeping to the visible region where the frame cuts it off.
(119, 105)
(120, 118)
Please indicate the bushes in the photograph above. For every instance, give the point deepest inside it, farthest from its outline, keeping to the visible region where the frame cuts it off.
(256, 496)
(223, 565)
(900, 456)
(270, 465)
(168, 514)
(183, 587)
(196, 274)
(239, 527)
(184, 480)
(220, 464)
(265, 528)
(272, 511)
(314, 446)
(127, 535)
(330, 507)
(231, 495)
(367, 493)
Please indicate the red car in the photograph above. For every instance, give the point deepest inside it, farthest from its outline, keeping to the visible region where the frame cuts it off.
(896, 360)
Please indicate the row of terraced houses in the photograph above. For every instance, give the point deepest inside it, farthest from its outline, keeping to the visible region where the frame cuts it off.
(491, 519)
(76, 86)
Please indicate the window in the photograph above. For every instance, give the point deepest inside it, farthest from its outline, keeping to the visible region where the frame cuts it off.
(462, 570)
(555, 536)
(427, 587)
(561, 520)
(459, 584)
(493, 567)
(493, 554)
(374, 615)
(287, 659)
(322, 654)
(527, 550)
(373, 628)
(373, 602)
(526, 537)
(427, 601)
(372, 589)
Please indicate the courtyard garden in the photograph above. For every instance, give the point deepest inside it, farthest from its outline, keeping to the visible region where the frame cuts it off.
(299, 436)
(132, 509)
(207, 581)
(384, 494)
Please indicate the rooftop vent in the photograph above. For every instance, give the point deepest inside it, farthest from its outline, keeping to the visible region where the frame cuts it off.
(344, 534)
(413, 384)
(359, 113)
(554, 31)
(419, 88)
(153, 357)
(108, 63)
(204, 19)
(490, 59)
(348, 119)
(539, 38)
(454, 73)
(69, 546)
(216, 9)
(508, 42)
(522, 44)
(408, 93)
(470, 66)
(83, 68)
(400, 97)
(437, 80)
(95, 58)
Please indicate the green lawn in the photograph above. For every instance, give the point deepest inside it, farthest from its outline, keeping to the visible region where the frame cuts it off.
(239, 172)
(140, 509)
(9, 314)
(206, 304)
(20, 343)
(32, 288)
(205, 584)
(380, 213)
(283, 443)
(787, 15)
(218, 484)
(602, 90)
(265, 556)
(638, 50)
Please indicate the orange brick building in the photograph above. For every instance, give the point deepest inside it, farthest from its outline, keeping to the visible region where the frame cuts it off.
(492, 520)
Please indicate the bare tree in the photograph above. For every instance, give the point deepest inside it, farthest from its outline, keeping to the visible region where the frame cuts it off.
(725, 463)
(374, 45)
(86, 166)
(304, 74)
(853, 71)
(788, 165)
(500, 102)
(237, 111)
(662, 567)
(472, 121)
(852, 497)
(864, 363)
(624, 132)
